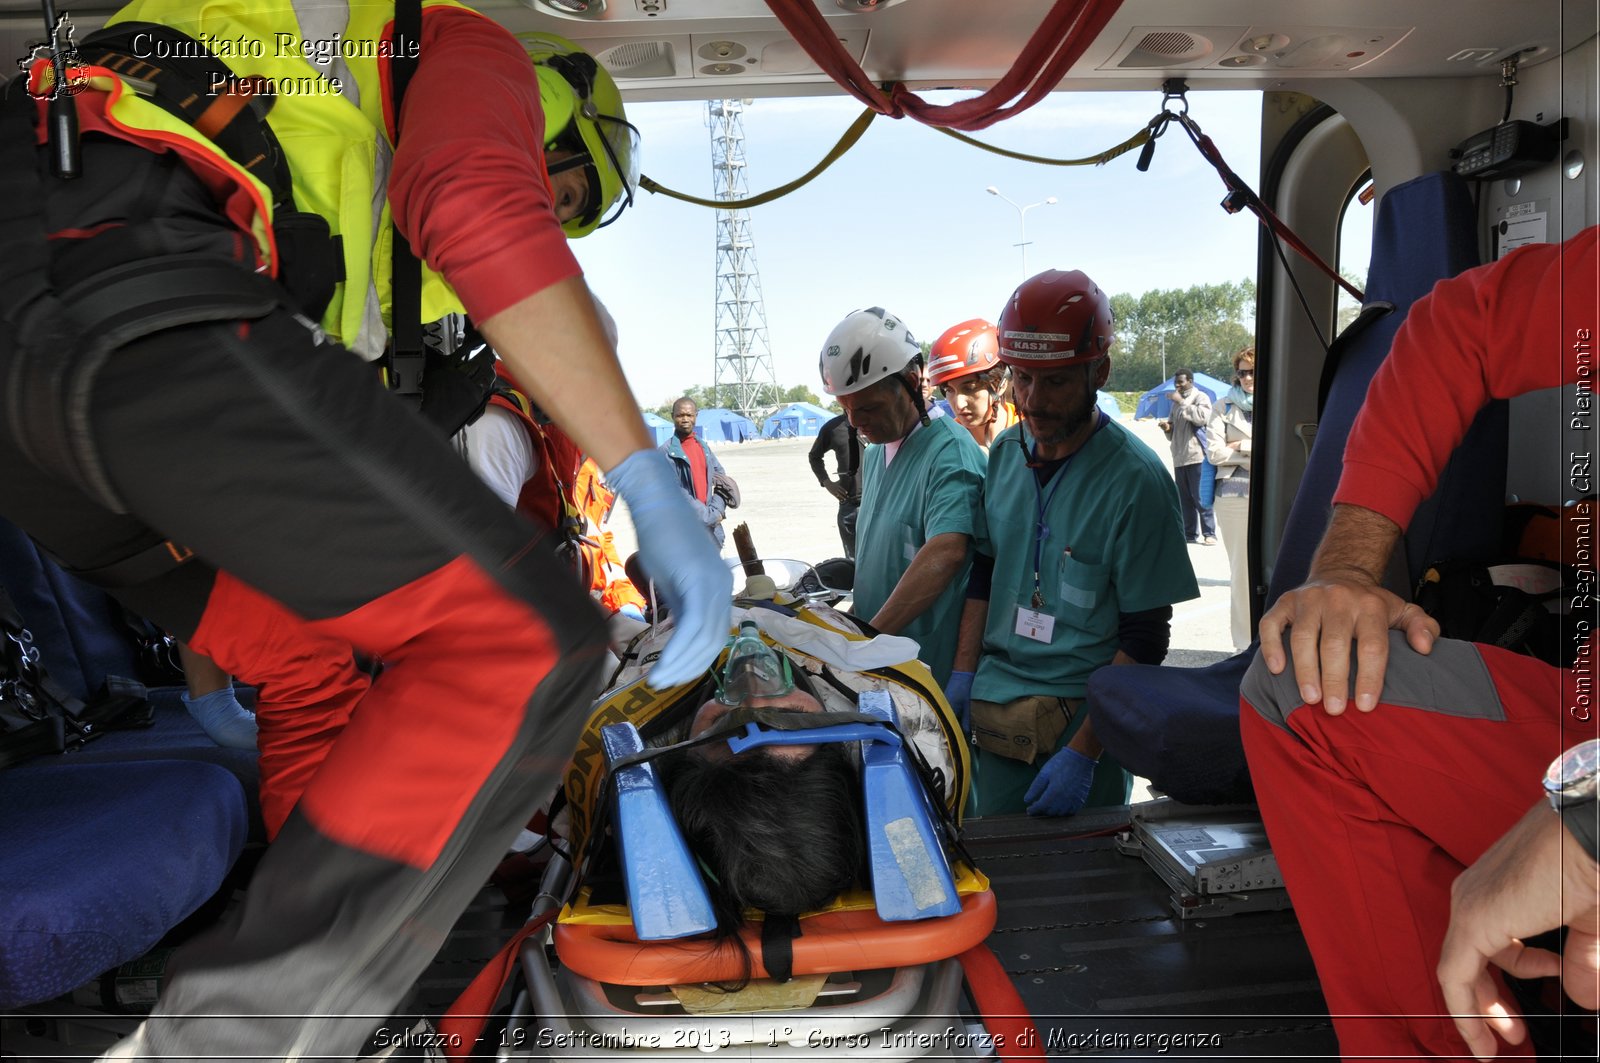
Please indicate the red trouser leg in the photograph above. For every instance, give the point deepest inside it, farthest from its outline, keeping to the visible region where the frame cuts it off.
(1373, 815)
(307, 685)
(446, 756)
(462, 660)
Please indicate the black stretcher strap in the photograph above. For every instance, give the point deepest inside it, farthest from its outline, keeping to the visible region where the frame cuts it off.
(777, 945)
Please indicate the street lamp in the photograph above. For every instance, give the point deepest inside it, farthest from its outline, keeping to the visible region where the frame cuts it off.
(1022, 221)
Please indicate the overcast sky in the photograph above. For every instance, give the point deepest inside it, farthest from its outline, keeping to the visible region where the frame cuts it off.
(903, 222)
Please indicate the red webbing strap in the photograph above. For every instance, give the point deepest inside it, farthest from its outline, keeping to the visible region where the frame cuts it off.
(1233, 183)
(462, 1025)
(1058, 43)
(1000, 1007)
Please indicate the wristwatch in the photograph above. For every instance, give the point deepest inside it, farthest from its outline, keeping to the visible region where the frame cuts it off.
(1571, 783)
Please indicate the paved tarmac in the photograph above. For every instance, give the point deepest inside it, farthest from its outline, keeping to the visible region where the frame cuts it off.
(790, 516)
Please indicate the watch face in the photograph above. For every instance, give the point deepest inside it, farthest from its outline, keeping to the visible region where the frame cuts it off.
(1573, 773)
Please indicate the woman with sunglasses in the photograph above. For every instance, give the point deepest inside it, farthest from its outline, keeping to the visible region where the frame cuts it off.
(1228, 448)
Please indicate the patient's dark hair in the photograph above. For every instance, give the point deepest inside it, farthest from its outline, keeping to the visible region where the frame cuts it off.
(783, 836)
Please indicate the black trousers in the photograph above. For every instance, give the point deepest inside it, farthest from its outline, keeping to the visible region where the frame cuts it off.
(847, 526)
(1194, 514)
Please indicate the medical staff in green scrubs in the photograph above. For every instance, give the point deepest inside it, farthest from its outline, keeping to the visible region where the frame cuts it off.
(1080, 556)
(922, 480)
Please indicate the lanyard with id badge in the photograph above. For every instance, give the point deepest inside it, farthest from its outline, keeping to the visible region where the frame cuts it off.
(1032, 621)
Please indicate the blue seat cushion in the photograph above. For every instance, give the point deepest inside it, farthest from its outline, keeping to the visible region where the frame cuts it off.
(101, 860)
(1179, 728)
(174, 735)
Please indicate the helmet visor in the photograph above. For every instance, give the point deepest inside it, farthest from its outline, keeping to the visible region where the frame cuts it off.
(619, 138)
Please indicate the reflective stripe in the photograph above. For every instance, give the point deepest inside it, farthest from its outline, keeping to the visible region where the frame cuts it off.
(373, 336)
(319, 21)
(1451, 681)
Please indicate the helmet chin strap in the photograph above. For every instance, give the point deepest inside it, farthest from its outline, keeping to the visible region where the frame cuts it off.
(916, 400)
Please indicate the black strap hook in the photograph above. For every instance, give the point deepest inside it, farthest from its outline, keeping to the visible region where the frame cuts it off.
(1175, 89)
(1171, 89)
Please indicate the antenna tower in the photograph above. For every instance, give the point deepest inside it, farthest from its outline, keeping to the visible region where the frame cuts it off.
(743, 359)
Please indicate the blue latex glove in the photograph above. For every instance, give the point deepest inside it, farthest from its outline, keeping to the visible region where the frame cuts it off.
(224, 720)
(633, 611)
(958, 692)
(1062, 785)
(682, 560)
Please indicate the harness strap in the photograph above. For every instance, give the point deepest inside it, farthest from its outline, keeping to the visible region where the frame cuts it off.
(56, 367)
(138, 298)
(191, 84)
(63, 337)
(32, 309)
(406, 354)
(194, 86)
(146, 565)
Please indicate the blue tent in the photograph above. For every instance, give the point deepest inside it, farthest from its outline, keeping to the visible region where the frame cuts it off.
(1108, 404)
(659, 427)
(1154, 403)
(724, 426)
(795, 419)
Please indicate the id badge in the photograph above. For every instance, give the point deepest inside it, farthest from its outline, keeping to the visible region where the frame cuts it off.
(1035, 625)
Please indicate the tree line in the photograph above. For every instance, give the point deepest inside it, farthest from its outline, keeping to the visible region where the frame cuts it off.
(1162, 331)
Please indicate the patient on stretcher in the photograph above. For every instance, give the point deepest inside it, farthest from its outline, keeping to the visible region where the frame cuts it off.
(779, 827)
(773, 822)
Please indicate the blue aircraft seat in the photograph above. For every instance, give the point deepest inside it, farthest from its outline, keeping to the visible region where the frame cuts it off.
(1179, 727)
(107, 847)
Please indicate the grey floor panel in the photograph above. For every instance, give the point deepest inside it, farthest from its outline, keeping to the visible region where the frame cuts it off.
(1091, 941)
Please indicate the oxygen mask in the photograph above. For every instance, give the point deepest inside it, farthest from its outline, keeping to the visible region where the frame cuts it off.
(753, 669)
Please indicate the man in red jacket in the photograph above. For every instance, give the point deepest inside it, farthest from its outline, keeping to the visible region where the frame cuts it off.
(1414, 835)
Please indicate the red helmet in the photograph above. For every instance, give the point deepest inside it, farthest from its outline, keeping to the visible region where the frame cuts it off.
(964, 349)
(1055, 318)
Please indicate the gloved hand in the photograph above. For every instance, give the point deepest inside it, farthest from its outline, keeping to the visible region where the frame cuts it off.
(683, 561)
(224, 720)
(633, 611)
(1062, 785)
(958, 692)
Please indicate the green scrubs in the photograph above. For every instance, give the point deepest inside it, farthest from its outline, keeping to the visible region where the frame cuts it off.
(933, 486)
(1112, 543)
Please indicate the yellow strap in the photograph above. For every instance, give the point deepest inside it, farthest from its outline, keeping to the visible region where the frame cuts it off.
(1135, 141)
(848, 141)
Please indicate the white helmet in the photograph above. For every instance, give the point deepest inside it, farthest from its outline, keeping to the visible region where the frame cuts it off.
(864, 348)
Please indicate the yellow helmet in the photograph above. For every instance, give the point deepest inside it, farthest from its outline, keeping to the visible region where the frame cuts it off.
(583, 114)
